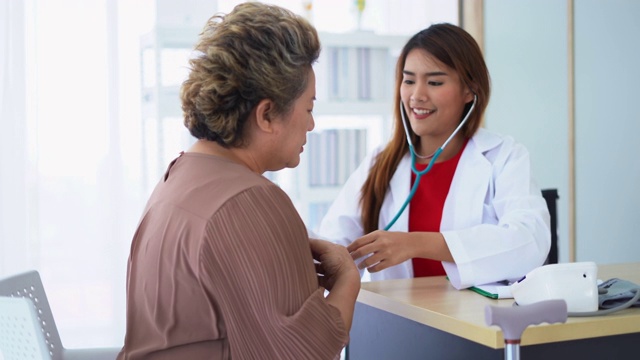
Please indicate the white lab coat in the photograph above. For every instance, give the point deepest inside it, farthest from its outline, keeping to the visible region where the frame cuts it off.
(495, 220)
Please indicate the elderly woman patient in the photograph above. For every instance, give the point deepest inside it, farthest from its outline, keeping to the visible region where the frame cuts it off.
(221, 265)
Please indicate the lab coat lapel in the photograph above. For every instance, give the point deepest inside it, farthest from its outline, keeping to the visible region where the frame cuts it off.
(471, 183)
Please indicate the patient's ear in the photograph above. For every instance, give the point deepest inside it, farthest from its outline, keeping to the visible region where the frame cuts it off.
(264, 115)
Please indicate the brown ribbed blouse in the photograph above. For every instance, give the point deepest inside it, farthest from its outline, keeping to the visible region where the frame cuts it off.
(220, 268)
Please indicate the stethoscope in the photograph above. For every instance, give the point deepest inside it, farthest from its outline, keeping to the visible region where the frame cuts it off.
(435, 155)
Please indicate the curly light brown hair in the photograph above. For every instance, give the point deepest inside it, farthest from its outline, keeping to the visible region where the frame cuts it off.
(255, 52)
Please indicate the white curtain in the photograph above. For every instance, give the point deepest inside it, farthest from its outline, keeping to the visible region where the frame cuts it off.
(70, 149)
(13, 144)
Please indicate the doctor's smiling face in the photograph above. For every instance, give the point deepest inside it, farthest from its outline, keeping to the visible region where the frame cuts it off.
(433, 95)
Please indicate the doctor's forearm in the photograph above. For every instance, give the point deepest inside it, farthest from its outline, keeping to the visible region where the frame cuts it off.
(430, 245)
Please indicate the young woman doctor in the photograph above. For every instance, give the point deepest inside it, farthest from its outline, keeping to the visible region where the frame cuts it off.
(476, 213)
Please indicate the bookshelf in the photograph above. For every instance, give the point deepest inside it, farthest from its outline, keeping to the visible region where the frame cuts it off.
(354, 91)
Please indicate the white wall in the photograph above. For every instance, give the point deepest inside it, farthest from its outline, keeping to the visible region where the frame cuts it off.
(525, 44)
(526, 47)
(607, 49)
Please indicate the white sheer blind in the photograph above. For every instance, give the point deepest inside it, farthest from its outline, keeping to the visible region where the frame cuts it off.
(70, 151)
(14, 166)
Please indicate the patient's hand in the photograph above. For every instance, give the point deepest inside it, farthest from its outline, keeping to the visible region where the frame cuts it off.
(333, 263)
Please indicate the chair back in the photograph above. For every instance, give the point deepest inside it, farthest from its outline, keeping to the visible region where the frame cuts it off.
(551, 197)
(21, 337)
(29, 285)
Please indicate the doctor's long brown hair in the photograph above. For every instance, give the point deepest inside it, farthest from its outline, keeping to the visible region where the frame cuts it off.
(455, 48)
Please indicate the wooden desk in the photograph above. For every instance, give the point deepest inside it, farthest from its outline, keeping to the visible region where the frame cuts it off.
(427, 318)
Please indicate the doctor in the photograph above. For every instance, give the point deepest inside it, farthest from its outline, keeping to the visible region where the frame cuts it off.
(476, 214)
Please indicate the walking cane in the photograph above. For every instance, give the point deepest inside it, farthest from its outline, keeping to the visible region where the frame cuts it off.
(515, 319)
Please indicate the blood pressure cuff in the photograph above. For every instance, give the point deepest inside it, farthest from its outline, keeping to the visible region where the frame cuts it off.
(615, 292)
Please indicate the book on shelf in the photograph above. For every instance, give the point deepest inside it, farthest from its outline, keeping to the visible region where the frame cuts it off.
(323, 159)
(313, 156)
(343, 167)
(354, 74)
(364, 73)
(334, 154)
(374, 65)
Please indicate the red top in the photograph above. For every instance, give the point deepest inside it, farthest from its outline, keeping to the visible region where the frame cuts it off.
(425, 209)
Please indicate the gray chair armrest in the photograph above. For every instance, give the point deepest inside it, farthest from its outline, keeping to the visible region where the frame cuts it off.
(91, 354)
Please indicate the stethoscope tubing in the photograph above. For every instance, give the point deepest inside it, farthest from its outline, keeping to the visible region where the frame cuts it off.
(418, 173)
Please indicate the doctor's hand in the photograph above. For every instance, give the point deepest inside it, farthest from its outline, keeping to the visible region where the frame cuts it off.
(386, 249)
